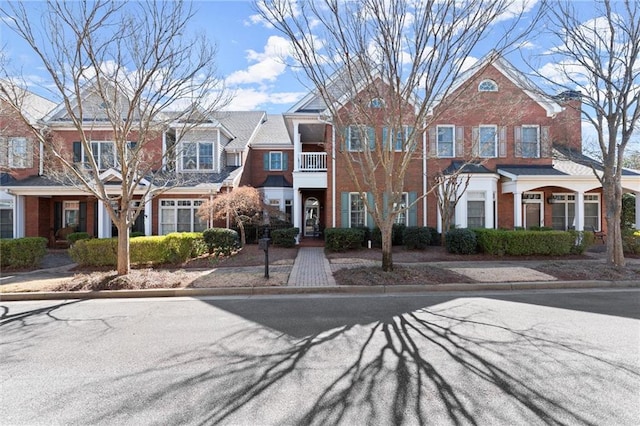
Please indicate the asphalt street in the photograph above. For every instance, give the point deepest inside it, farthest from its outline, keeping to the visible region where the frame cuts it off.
(487, 358)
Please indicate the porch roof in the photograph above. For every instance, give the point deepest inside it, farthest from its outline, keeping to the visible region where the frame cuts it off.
(530, 171)
(276, 181)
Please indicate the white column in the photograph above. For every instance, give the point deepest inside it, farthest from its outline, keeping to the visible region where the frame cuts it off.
(104, 222)
(297, 210)
(488, 209)
(637, 194)
(19, 217)
(579, 211)
(517, 209)
(296, 147)
(148, 214)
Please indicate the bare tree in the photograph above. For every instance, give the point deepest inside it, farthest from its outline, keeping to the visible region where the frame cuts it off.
(242, 205)
(118, 68)
(599, 58)
(380, 67)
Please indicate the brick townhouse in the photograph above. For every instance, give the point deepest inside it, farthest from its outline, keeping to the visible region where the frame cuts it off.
(527, 169)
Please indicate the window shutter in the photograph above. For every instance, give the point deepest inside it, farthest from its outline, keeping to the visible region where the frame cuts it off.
(413, 210)
(409, 144)
(370, 202)
(77, 152)
(82, 217)
(265, 161)
(285, 161)
(344, 144)
(57, 216)
(433, 142)
(517, 137)
(502, 142)
(344, 210)
(385, 138)
(475, 141)
(545, 141)
(459, 141)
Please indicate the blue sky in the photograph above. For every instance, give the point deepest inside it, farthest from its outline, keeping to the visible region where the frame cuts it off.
(249, 55)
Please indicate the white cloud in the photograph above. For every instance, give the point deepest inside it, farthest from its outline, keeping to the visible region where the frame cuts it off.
(252, 99)
(270, 63)
(526, 44)
(467, 63)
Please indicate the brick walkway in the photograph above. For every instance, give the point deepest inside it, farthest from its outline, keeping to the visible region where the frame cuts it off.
(311, 269)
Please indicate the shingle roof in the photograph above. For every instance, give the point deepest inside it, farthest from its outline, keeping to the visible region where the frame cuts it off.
(273, 131)
(456, 166)
(531, 170)
(242, 124)
(577, 164)
(275, 181)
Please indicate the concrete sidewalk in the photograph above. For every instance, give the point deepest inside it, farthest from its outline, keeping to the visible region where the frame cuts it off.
(311, 273)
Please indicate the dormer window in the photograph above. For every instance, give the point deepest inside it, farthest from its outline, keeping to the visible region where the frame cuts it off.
(488, 86)
(376, 103)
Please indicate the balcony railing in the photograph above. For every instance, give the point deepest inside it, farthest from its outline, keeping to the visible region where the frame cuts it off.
(313, 162)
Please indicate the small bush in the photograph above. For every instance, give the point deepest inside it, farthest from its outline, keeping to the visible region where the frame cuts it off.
(461, 241)
(22, 252)
(221, 240)
(434, 237)
(151, 249)
(582, 240)
(416, 238)
(95, 252)
(526, 243)
(182, 246)
(342, 239)
(77, 236)
(136, 234)
(285, 237)
(631, 242)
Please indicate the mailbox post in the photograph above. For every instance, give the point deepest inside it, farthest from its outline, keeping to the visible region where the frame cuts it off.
(263, 244)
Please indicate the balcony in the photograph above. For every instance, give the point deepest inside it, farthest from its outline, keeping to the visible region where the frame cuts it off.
(312, 162)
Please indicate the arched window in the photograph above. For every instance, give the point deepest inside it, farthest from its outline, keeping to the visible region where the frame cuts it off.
(487, 86)
(376, 103)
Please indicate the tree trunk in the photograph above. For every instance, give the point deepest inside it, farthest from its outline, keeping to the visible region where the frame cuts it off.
(387, 247)
(612, 192)
(124, 265)
(243, 238)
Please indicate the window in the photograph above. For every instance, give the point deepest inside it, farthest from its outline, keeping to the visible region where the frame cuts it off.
(399, 141)
(592, 211)
(18, 153)
(103, 153)
(563, 212)
(180, 216)
(530, 141)
(357, 210)
(356, 140)
(197, 156)
(488, 139)
(487, 86)
(275, 161)
(376, 103)
(475, 209)
(275, 204)
(6, 218)
(445, 141)
(288, 209)
(70, 213)
(402, 217)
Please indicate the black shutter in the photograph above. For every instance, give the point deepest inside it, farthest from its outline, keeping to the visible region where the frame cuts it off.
(82, 219)
(77, 152)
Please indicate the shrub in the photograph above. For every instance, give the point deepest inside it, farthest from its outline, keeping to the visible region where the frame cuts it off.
(221, 240)
(416, 238)
(525, 243)
(461, 241)
(341, 239)
(95, 252)
(434, 237)
(136, 234)
(22, 252)
(284, 237)
(151, 249)
(182, 246)
(76, 236)
(631, 242)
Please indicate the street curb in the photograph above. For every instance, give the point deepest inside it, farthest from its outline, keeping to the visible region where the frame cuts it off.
(266, 291)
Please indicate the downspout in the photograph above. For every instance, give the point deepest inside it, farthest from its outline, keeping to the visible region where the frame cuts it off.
(333, 176)
(424, 177)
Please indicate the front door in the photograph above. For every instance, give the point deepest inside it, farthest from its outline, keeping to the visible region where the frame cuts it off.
(311, 217)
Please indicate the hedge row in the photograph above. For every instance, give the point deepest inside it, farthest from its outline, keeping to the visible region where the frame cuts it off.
(22, 252)
(171, 248)
(284, 237)
(521, 243)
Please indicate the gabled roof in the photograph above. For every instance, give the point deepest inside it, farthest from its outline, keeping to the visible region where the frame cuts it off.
(33, 106)
(272, 131)
(243, 124)
(515, 76)
(464, 167)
